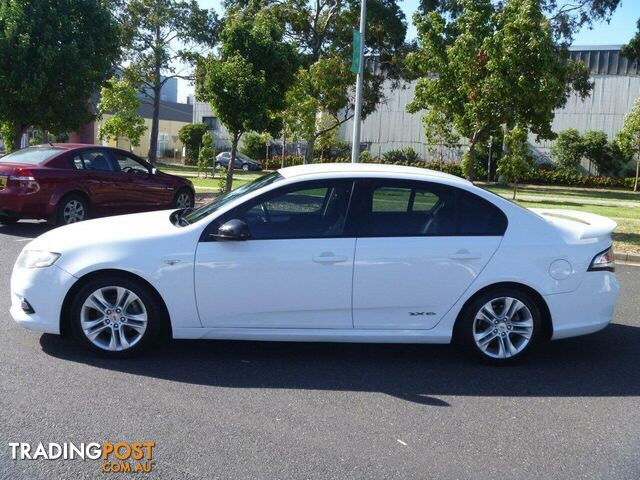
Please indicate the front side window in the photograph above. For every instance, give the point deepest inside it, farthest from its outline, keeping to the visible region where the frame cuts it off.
(309, 210)
(127, 164)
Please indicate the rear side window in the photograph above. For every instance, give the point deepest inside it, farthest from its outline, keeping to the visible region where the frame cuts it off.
(399, 208)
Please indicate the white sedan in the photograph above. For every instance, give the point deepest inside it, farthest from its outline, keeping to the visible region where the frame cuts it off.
(340, 253)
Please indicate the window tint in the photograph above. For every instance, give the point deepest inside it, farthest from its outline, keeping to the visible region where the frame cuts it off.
(400, 208)
(78, 163)
(389, 208)
(127, 164)
(477, 216)
(309, 210)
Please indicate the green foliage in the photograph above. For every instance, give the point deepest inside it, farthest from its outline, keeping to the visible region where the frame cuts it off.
(53, 57)
(405, 155)
(246, 83)
(160, 36)
(595, 147)
(205, 159)
(120, 100)
(518, 161)
(628, 138)
(568, 150)
(8, 132)
(490, 66)
(191, 137)
(254, 145)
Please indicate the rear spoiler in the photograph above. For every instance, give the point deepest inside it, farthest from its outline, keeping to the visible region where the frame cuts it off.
(584, 225)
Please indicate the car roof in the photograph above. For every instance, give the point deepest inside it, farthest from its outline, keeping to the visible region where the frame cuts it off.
(367, 168)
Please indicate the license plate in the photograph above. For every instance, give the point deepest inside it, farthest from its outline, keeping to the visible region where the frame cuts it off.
(3, 182)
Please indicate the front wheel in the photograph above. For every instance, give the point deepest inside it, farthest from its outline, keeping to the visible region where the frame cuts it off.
(183, 199)
(116, 316)
(502, 325)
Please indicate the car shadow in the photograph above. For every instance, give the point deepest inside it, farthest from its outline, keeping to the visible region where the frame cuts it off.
(21, 229)
(600, 365)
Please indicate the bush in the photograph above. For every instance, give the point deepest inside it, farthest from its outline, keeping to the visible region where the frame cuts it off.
(205, 159)
(406, 155)
(568, 149)
(254, 145)
(191, 137)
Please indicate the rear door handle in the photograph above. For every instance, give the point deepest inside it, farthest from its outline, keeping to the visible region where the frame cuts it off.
(329, 258)
(465, 255)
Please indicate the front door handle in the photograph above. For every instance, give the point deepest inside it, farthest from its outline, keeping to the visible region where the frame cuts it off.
(465, 255)
(329, 258)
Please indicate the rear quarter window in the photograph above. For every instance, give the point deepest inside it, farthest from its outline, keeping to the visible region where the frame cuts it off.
(477, 216)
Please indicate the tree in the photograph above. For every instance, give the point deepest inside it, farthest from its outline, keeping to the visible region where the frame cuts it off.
(595, 146)
(518, 162)
(628, 138)
(53, 57)
(120, 100)
(161, 36)
(568, 149)
(322, 32)
(205, 158)
(490, 66)
(254, 145)
(245, 83)
(191, 137)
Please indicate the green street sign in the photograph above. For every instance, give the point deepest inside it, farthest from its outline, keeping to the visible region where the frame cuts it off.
(357, 49)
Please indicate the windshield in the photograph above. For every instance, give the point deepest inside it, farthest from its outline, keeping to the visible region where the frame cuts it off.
(222, 200)
(31, 155)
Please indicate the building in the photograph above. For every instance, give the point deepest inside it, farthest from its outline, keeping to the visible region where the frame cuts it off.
(168, 92)
(202, 113)
(616, 86)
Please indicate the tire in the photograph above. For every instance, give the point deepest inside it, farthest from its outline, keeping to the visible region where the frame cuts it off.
(116, 298)
(183, 199)
(245, 167)
(497, 336)
(8, 220)
(72, 209)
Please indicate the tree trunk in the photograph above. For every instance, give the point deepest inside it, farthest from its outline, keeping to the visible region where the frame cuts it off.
(471, 161)
(232, 161)
(515, 189)
(284, 148)
(17, 138)
(635, 185)
(155, 123)
(308, 154)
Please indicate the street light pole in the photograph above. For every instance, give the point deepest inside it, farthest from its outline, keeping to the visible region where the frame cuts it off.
(357, 115)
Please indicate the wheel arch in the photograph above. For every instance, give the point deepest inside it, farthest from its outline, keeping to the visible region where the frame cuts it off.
(57, 197)
(65, 311)
(547, 323)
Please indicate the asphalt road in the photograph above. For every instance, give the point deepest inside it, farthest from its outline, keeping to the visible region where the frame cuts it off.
(261, 410)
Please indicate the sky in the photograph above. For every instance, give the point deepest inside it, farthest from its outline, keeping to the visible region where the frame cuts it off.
(617, 32)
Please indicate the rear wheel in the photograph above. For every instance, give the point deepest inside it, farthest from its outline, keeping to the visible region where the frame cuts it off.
(72, 209)
(245, 167)
(116, 316)
(501, 325)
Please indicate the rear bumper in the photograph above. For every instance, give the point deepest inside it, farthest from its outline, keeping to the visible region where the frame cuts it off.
(45, 290)
(20, 205)
(588, 309)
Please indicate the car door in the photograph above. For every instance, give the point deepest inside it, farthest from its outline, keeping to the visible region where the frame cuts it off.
(420, 246)
(294, 272)
(142, 189)
(96, 168)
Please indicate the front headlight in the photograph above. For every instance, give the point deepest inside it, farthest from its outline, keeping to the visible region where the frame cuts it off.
(37, 259)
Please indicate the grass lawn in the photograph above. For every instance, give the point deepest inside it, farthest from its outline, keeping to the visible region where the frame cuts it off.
(622, 206)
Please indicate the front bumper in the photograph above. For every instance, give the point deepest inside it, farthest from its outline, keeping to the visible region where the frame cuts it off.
(44, 289)
(588, 309)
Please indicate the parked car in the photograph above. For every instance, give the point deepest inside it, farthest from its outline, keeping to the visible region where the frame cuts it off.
(68, 183)
(343, 252)
(242, 162)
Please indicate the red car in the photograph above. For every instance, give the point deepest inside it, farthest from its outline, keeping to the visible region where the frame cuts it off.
(68, 183)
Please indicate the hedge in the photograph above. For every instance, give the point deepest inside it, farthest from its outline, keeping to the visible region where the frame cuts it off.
(542, 176)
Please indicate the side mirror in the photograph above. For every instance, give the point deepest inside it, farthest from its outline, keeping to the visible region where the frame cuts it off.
(233, 230)
(154, 170)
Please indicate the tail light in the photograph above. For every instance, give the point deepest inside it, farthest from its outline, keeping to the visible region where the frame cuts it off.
(23, 178)
(603, 261)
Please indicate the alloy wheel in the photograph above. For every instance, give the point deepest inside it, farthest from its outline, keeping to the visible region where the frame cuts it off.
(183, 200)
(503, 327)
(73, 212)
(113, 318)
